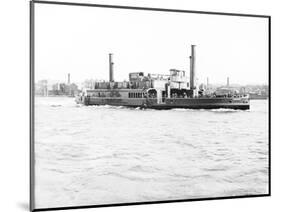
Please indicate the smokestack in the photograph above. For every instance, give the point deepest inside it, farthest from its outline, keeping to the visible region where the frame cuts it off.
(192, 68)
(190, 73)
(207, 82)
(227, 82)
(111, 77)
(68, 78)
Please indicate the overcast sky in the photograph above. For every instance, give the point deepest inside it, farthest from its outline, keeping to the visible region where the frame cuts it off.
(77, 40)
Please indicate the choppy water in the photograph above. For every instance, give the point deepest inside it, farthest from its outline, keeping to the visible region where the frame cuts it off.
(88, 155)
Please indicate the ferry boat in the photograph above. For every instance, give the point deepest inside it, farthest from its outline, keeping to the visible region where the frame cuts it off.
(158, 91)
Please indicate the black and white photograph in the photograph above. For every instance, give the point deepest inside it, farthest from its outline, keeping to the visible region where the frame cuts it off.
(143, 105)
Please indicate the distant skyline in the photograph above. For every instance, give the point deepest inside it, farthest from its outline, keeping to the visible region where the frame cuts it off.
(54, 81)
(77, 40)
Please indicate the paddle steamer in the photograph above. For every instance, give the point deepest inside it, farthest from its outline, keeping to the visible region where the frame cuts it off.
(158, 91)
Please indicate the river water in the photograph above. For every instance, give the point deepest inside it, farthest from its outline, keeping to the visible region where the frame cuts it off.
(90, 155)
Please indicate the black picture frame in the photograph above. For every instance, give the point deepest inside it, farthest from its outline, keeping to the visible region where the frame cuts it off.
(31, 106)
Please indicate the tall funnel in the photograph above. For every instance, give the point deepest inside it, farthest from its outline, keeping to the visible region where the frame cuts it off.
(227, 83)
(68, 78)
(111, 77)
(192, 68)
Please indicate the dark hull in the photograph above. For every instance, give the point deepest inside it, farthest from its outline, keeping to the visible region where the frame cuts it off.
(233, 107)
(165, 104)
